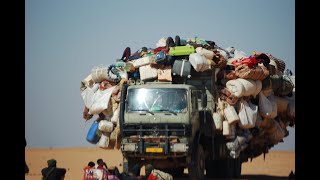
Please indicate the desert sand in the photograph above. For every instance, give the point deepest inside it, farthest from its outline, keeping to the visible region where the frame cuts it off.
(277, 164)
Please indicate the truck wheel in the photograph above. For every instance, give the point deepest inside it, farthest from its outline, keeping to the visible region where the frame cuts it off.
(175, 172)
(197, 171)
(211, 169)
(128, 163)
(178, 172)
(237, 168)
(229, 168)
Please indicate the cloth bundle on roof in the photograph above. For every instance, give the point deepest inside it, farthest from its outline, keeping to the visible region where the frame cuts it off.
(258, 72)
(281, 65)
(242, 87)
(219, 61)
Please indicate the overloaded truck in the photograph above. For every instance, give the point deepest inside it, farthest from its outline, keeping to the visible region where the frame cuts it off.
(192, 105)
(170, 125)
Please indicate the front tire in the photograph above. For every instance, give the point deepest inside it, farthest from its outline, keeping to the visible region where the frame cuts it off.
(196, 172)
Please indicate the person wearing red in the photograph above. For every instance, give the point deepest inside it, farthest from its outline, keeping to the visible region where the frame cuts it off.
(101, 170)
(88, 171)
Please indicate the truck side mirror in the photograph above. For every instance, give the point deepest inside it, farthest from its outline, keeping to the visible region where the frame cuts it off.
(204, 100)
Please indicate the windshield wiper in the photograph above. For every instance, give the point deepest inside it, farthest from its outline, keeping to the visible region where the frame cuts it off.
(168, 110)
(142, 110)
(148, 111)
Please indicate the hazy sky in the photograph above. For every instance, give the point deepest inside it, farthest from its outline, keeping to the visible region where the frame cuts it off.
(64, 40)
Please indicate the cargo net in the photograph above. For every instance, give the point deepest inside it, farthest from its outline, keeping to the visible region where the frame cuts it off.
(256, 98)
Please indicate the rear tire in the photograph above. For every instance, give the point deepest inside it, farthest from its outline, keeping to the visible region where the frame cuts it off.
(196, 172)
(176, 172)
(128, 163)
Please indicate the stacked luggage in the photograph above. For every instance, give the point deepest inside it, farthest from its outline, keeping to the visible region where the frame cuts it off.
(255, 94)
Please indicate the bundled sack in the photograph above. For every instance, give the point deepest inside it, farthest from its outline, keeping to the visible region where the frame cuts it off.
(249, 61)
(100, 100)
(164, 74)
(148, 72)
(281, 65)
(259, 72)
(227, 74)
(99, 73)
(105, 126)
(86, 82)
(198, 61)
(143, 61)
(235, 87)
(104, 140)
(227, 96)
(262, 57)
(105, 84)
(219, 60)
(242, 87)
(88, 95)
(281, 85)
(204, 52)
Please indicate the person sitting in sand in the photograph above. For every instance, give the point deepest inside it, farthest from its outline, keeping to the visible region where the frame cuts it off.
(101, 172)
(88, 171)
(52, 172)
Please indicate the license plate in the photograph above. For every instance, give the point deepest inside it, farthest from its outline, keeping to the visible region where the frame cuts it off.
(154, 150)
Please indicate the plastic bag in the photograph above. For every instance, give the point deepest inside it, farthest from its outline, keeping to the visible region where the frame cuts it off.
(247, 114)
(274, 112)
(265, 105)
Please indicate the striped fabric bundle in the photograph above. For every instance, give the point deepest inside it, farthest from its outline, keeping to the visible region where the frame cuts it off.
(281, 65)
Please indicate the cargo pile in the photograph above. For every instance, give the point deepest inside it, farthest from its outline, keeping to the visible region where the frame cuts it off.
(255, 92)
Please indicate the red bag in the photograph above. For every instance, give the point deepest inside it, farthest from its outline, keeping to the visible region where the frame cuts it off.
(152, 177)
(250, 61)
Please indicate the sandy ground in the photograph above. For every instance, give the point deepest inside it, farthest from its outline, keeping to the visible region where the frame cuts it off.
(277, 164)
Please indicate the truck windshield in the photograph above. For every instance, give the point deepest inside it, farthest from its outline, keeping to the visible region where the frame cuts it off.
(157, 100)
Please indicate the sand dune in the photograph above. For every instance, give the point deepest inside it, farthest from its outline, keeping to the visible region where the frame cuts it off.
(277, 164)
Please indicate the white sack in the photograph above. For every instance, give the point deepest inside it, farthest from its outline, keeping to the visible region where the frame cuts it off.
(205, 52)
(249, 86)
(105, 126)
(101, 100)
(88, 95)
(104, 140)
(235, 87)
(197, 61)
(99, 73)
